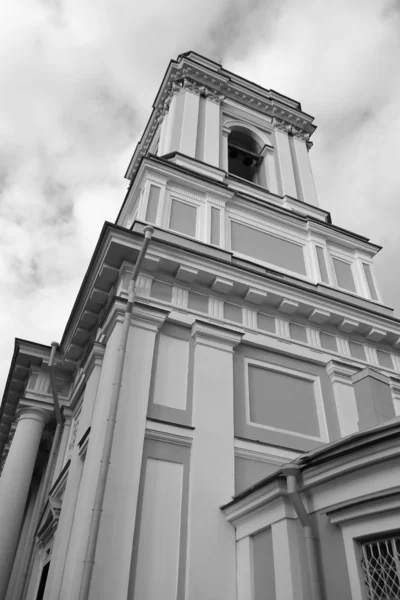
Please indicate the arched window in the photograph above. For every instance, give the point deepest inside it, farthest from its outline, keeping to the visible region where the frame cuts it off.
(244, 155)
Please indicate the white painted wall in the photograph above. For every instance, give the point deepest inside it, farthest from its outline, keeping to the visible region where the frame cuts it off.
(158, 550)
(211, 570)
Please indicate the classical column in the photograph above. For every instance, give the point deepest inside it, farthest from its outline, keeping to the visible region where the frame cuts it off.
(211, 561)
(14, 484)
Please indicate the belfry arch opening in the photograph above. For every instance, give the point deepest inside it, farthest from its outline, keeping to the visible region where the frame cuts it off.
(244, 155)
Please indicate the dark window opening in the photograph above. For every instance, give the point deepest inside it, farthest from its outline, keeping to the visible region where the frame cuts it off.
(244, 156)
(43, 581)
(381, 566)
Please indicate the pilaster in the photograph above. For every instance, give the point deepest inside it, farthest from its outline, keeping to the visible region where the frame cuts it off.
(345, 399)
(211, 540)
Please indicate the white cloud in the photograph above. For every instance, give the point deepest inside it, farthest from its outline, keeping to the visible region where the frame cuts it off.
(78, 80)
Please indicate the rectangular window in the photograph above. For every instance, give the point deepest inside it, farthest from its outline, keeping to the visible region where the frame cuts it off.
(233, 312)
(385, 359)
(152, 204)
(268, 248)
(322, 265)
(357, 350)
(370, 281)
(328, 341)
(298, 332)
(266, 323)
(183, 218)
(161, 291)
(198, 302)
(344, 275)
(215, 226)
(380, 563)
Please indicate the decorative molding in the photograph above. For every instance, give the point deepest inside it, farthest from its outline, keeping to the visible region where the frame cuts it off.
(348, 325)
(343, 346)
(375, 334)
(186, 274)
(313, 337)
(180, 296)
(282, 328)
(255, 296)
(288, 307)
(340, 372)
(377, 503)
(222, 286)
(216, 337)
(371, 355)
(165, 432)
(319, 316)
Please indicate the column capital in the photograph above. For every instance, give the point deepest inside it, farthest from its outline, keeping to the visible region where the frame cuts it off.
(341, 372)
(33, 413)
(214, 336)
(148, 317)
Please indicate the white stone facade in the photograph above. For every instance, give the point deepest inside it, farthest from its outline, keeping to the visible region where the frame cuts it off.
(258, 337)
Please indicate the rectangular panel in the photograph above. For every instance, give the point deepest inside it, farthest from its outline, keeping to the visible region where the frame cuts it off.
(263, 566)
(170, 386)
(161, 291)
(370, 281)
(357, 350)
(152, 204)
(298, 332)
(385, 359)
(282, 401)
(328, 341)
(198, 302)
(344, 275)
(233, 312)
(266, 323)
(157, 565)
(322, 264)
(183, 218)
(268, 248)
(215, 226)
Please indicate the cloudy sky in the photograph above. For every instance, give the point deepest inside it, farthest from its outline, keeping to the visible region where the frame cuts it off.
(77, 83)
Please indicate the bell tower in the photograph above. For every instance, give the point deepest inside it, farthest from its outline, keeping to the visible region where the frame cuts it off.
(224, 328)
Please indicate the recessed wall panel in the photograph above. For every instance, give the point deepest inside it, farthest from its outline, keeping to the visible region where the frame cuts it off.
(215, 226)
(183, 217)
(268, 248)
(263, 566)
(266, 323)
(344, 275)
(152, 204)
(370, 281)
(357, 350)
(385, 360)
(170, 386)
(282, 401)
(298, 332)
(328, 341)
(157, 566)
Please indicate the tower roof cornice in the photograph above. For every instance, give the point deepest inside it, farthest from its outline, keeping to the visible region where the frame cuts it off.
(206, 77)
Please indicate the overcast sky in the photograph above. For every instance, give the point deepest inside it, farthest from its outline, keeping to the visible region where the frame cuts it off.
(77, 82)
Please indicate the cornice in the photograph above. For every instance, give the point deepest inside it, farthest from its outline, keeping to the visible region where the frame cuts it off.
(214, 336)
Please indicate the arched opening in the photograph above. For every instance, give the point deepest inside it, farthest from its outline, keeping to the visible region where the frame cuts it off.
(244, 155)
